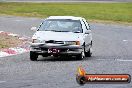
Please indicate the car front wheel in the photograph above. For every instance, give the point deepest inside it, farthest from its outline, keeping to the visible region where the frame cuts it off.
(81, 56)
(33, 56)
(88, 53)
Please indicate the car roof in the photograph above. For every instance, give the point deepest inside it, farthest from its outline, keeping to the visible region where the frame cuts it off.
(65, 17)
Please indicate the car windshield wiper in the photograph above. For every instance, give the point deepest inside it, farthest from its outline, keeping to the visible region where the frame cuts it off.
(62, 31)
(77, 32)
(57, 31)
(50, 30)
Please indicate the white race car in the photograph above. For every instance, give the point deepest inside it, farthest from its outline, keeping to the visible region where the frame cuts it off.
(62, 36)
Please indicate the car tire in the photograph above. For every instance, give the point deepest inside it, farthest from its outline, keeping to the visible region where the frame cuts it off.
(33, 56)
(89, 52)
(81, 56)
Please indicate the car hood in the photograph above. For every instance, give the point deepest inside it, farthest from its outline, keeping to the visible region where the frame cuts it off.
(57, 36)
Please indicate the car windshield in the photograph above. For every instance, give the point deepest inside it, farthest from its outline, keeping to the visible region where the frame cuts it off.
(61, 25)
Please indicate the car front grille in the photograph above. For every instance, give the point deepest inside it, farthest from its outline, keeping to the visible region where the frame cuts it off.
(54, 42)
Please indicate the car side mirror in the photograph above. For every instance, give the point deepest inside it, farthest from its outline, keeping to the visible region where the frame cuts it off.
(34, 28)
(87, 31)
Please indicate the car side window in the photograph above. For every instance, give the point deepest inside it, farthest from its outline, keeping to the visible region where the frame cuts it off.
(83, 26)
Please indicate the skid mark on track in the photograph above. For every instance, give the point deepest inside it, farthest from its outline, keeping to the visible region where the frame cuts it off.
(124, 60)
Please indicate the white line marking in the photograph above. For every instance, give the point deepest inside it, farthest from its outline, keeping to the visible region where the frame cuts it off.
(123, 60)
(101, 59)
(1, 31)
(2, 81)
(125, 40)
(114, 60)
(11, 34)
(18, 20)
(2, 54)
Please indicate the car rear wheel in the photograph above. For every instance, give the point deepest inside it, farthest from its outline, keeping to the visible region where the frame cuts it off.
(33, 56)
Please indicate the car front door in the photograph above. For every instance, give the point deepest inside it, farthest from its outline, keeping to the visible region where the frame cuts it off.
(87, 33)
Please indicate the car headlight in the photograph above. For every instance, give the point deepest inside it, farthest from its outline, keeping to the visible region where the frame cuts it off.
(72, 42)
(37, 41)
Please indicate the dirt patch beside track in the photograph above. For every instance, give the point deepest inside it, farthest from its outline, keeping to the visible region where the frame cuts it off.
(7, 41)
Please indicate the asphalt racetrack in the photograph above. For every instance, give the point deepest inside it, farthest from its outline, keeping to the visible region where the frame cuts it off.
(112, 54)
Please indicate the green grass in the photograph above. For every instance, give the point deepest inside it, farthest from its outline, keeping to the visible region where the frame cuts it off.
(121, 12)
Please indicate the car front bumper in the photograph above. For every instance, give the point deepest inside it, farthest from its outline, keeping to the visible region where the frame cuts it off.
(63, 49)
